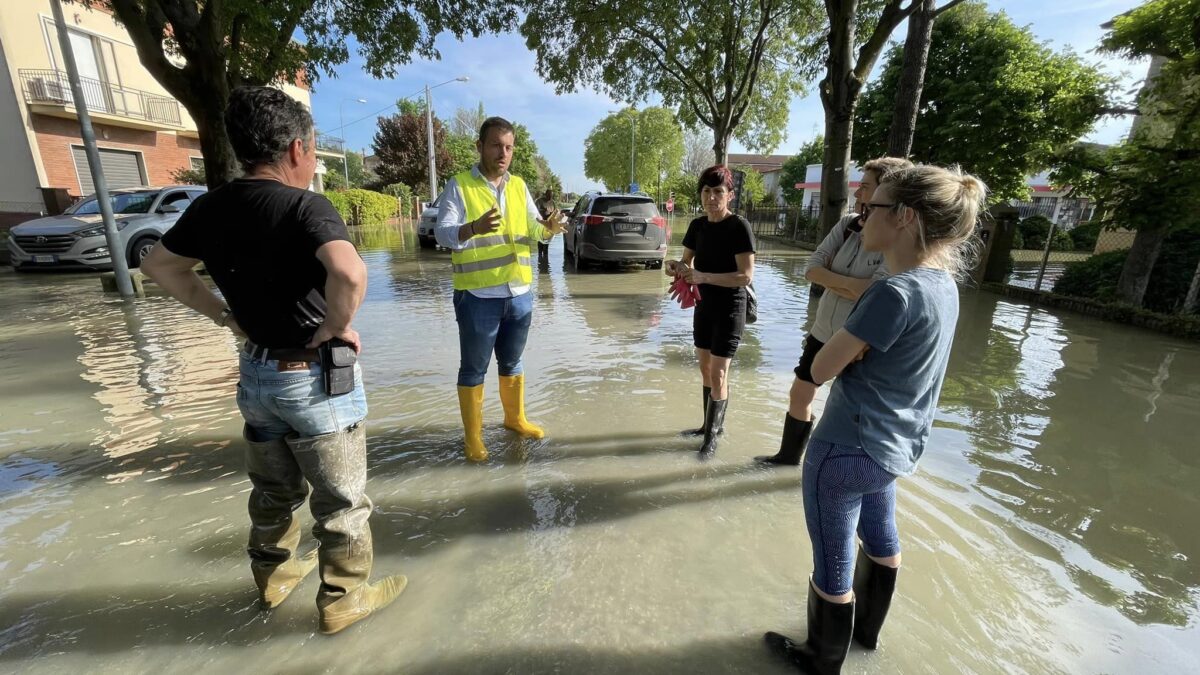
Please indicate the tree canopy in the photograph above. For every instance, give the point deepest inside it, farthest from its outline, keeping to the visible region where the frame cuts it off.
(200, 50)
(658, 148)
(732, 70)
(995, 101)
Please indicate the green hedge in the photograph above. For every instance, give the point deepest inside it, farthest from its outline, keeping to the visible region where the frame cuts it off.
(363, 207)
(1097, 277)
(1031, 235)
(1084, 236)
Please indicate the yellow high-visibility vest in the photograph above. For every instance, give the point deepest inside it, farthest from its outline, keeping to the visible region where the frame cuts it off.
(498, 257)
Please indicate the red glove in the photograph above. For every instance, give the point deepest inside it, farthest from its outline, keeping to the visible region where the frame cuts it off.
(684, 293)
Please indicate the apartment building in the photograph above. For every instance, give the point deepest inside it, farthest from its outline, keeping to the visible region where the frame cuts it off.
(144, 135)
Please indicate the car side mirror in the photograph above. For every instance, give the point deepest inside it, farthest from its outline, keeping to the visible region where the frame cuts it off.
(169, 208)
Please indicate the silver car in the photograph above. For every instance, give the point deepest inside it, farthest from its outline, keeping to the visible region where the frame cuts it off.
(75, 239)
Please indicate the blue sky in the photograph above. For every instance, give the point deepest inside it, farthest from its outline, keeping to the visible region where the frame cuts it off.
(502, 74)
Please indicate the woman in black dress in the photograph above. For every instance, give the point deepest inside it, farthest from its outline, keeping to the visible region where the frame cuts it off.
(718, 255)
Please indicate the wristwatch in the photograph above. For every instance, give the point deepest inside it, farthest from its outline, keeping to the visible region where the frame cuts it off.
(224, 317)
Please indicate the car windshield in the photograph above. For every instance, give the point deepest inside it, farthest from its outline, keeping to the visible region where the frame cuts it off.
(639, 207)
(122, 202)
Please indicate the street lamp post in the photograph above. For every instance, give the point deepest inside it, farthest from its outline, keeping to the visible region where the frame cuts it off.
(342, 133)
(433, 191)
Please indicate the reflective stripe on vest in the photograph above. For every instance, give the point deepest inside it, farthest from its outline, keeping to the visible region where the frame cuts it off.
(499, 257)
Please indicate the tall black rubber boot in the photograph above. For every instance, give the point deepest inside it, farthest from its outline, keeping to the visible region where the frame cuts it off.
(830, 626)
(874, 585)
(704, 413)
(714, 419)
(791, 448)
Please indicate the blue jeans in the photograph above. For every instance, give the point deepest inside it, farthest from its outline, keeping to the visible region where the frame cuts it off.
(275, 404)
(490, 324)
(843, 489)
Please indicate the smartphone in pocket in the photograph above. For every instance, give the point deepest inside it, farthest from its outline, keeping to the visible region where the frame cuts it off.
(337, 366)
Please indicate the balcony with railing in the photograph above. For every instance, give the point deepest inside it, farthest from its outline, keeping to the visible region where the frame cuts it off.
(331, 146)
(52, 90)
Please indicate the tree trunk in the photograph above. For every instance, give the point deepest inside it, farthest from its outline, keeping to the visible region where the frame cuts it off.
(1135, 275)
(838, 99)
(912, 80)
(720, 145)
(1191, 305)
(220, 163)
(835, 186)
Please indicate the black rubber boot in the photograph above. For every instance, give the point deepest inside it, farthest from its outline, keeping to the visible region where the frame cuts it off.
(830, 626)
(874, 585)
(714, 419)
(791, 448)
(704, 413)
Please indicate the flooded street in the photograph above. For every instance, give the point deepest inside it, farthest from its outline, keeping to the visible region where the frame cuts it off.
(1052, 526)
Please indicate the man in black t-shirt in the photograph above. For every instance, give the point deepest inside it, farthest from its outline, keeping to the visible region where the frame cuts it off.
(283, 261)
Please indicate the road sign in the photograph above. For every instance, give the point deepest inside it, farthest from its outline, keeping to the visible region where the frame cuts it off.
(634, 187)
(670, 205)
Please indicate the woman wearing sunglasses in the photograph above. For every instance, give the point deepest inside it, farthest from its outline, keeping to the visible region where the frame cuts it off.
(889, 359)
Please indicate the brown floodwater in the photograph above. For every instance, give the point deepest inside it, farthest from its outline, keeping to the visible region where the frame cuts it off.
(1051, 528)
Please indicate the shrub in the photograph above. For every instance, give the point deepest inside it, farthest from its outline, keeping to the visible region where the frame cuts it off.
(1033, 231)
(1062, 242)
(363, 207)
(189, 176)
(1018, 242)
(1084, 236)
(1097, 276)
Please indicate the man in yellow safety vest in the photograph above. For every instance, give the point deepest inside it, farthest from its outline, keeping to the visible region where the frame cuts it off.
(489, 222)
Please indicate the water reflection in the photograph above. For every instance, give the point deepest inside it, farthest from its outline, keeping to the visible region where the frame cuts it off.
(1060, 432)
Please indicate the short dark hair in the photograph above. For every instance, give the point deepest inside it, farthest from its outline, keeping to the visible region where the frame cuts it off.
(715, 176)
(495, 123)
(262, 122)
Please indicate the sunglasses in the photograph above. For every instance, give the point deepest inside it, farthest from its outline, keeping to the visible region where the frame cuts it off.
(869, 206)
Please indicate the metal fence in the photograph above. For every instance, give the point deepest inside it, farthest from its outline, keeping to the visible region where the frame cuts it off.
(51, 87)
(796, 224)
(1041, 268)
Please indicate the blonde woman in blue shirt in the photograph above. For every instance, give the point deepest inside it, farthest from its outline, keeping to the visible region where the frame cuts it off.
(889, 359)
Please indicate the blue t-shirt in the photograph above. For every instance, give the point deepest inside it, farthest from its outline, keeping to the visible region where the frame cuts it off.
(885, 402)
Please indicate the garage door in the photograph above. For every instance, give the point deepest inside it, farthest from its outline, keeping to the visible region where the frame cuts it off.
(122, 169)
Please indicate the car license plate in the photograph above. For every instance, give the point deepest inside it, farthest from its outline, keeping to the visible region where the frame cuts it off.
(629, 227)
(43, 258)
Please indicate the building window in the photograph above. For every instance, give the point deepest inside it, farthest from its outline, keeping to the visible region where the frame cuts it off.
(197, 163)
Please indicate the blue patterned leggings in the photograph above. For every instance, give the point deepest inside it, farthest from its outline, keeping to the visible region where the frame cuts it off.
(844, 488)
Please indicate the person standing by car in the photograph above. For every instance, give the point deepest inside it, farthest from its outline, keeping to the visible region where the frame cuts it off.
(846, 270)
(489, 222)
(718, 254)
(545, 205)
(890, 360)
(283, 260)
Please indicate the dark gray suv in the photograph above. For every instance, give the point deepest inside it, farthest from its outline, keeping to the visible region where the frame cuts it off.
(619, 228)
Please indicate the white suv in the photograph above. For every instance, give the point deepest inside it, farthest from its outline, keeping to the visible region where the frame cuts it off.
(428, 223)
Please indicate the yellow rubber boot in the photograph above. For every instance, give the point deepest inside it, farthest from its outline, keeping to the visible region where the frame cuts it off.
(512, 395)
(470, 404)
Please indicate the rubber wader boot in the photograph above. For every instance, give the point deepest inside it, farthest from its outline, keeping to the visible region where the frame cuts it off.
(791, 448)
(830, 626)
(336, 465)
(714, 419)
(512, 397)
(874, 585)
(470, 405)
(279, 489)
(703, 412)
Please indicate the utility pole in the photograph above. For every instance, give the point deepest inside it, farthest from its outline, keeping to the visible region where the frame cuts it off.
(429, 134)
(116, 251)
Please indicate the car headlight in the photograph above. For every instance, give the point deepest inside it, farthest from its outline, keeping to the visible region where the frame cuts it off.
(90, 232)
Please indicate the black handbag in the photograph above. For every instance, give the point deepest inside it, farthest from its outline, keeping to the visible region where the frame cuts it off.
(751, 304)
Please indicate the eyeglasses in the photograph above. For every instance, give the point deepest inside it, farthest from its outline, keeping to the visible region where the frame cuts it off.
(872, 205)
